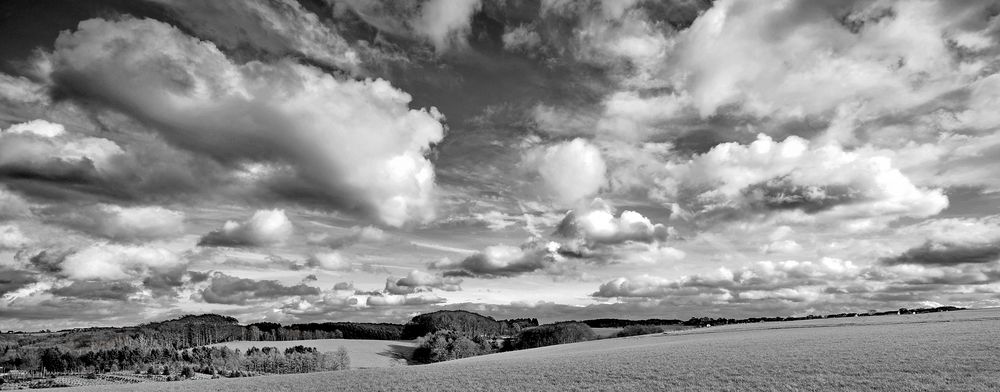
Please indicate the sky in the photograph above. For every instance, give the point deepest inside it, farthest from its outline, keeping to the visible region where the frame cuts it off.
(345, 160)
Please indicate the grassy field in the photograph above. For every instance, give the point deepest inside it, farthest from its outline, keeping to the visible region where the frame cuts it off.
(612, 332)
(956, 351)
(363, 353)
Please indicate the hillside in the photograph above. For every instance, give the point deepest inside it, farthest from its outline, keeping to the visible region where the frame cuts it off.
(926, 352)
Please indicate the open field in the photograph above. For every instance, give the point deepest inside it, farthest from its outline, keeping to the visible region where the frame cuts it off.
(363, 353)
(954, 351)
(612, 332)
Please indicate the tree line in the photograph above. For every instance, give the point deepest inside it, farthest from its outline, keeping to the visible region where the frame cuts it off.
(216, 361)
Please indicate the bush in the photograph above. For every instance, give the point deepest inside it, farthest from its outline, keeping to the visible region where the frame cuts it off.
(337, 360)
(187, 372)
(551, 334)
(447, 345)
(634, 330)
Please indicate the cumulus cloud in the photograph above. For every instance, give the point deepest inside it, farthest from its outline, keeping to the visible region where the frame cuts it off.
(796, 175)
(11, 237)
(351, 145)
(747, 283)
(806, 286)
(333, 261)
(127, 223)
(504, 261)
(45, 149)
(599, 226)
(121, 262)
(404, 300)
(366, 234)
(569, 171)
(321, 305)
(226, 289)
(800, 57)
(97, 290)
(264, 228)
(348, 286)
(418, 281)
(445, 22)
(280, 28)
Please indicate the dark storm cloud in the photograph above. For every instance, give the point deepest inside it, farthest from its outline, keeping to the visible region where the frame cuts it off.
(11, 280)
(418, 281)
(947, 254)
(226, 289)
(500, 261)
(50, 260)
(97, 290)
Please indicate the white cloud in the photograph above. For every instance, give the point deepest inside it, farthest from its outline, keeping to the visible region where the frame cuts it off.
(505, 261)
(279, 27)
(46, 147)
(118, 262)
(366, 234)
(570, 171)
(781, 246)
(404, 300)
(353, 144)
(333, 261)
(521, 38)
(129, 223)
(445, 22)
(11, 237)
(598, 225)
(264, 228)
(38, 127)
(824, 180)
(419, 281)
(797, 58)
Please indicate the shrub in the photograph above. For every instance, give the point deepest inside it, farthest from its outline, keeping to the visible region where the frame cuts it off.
(337, 360)
(633, 330)
(187, 372)
(446, 345)
(551, 334)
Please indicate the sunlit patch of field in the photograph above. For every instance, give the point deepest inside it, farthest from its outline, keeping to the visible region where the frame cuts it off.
(956, 351)
(363, 353)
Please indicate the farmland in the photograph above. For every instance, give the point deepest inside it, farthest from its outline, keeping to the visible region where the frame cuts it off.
(363, 353)
(957, 351)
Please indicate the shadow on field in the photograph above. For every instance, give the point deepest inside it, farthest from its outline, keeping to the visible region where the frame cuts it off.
(399, 352)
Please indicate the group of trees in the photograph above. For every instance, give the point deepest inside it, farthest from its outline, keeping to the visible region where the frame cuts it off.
(635, 330)
(464, 323)
(552, 334)
(445, 345)
(448, 344)
(166, 361)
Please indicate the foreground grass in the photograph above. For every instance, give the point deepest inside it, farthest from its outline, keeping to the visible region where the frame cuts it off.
(363, 353)
(958, 351)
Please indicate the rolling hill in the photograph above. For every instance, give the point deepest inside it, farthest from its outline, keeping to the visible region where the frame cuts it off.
(926, 352)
